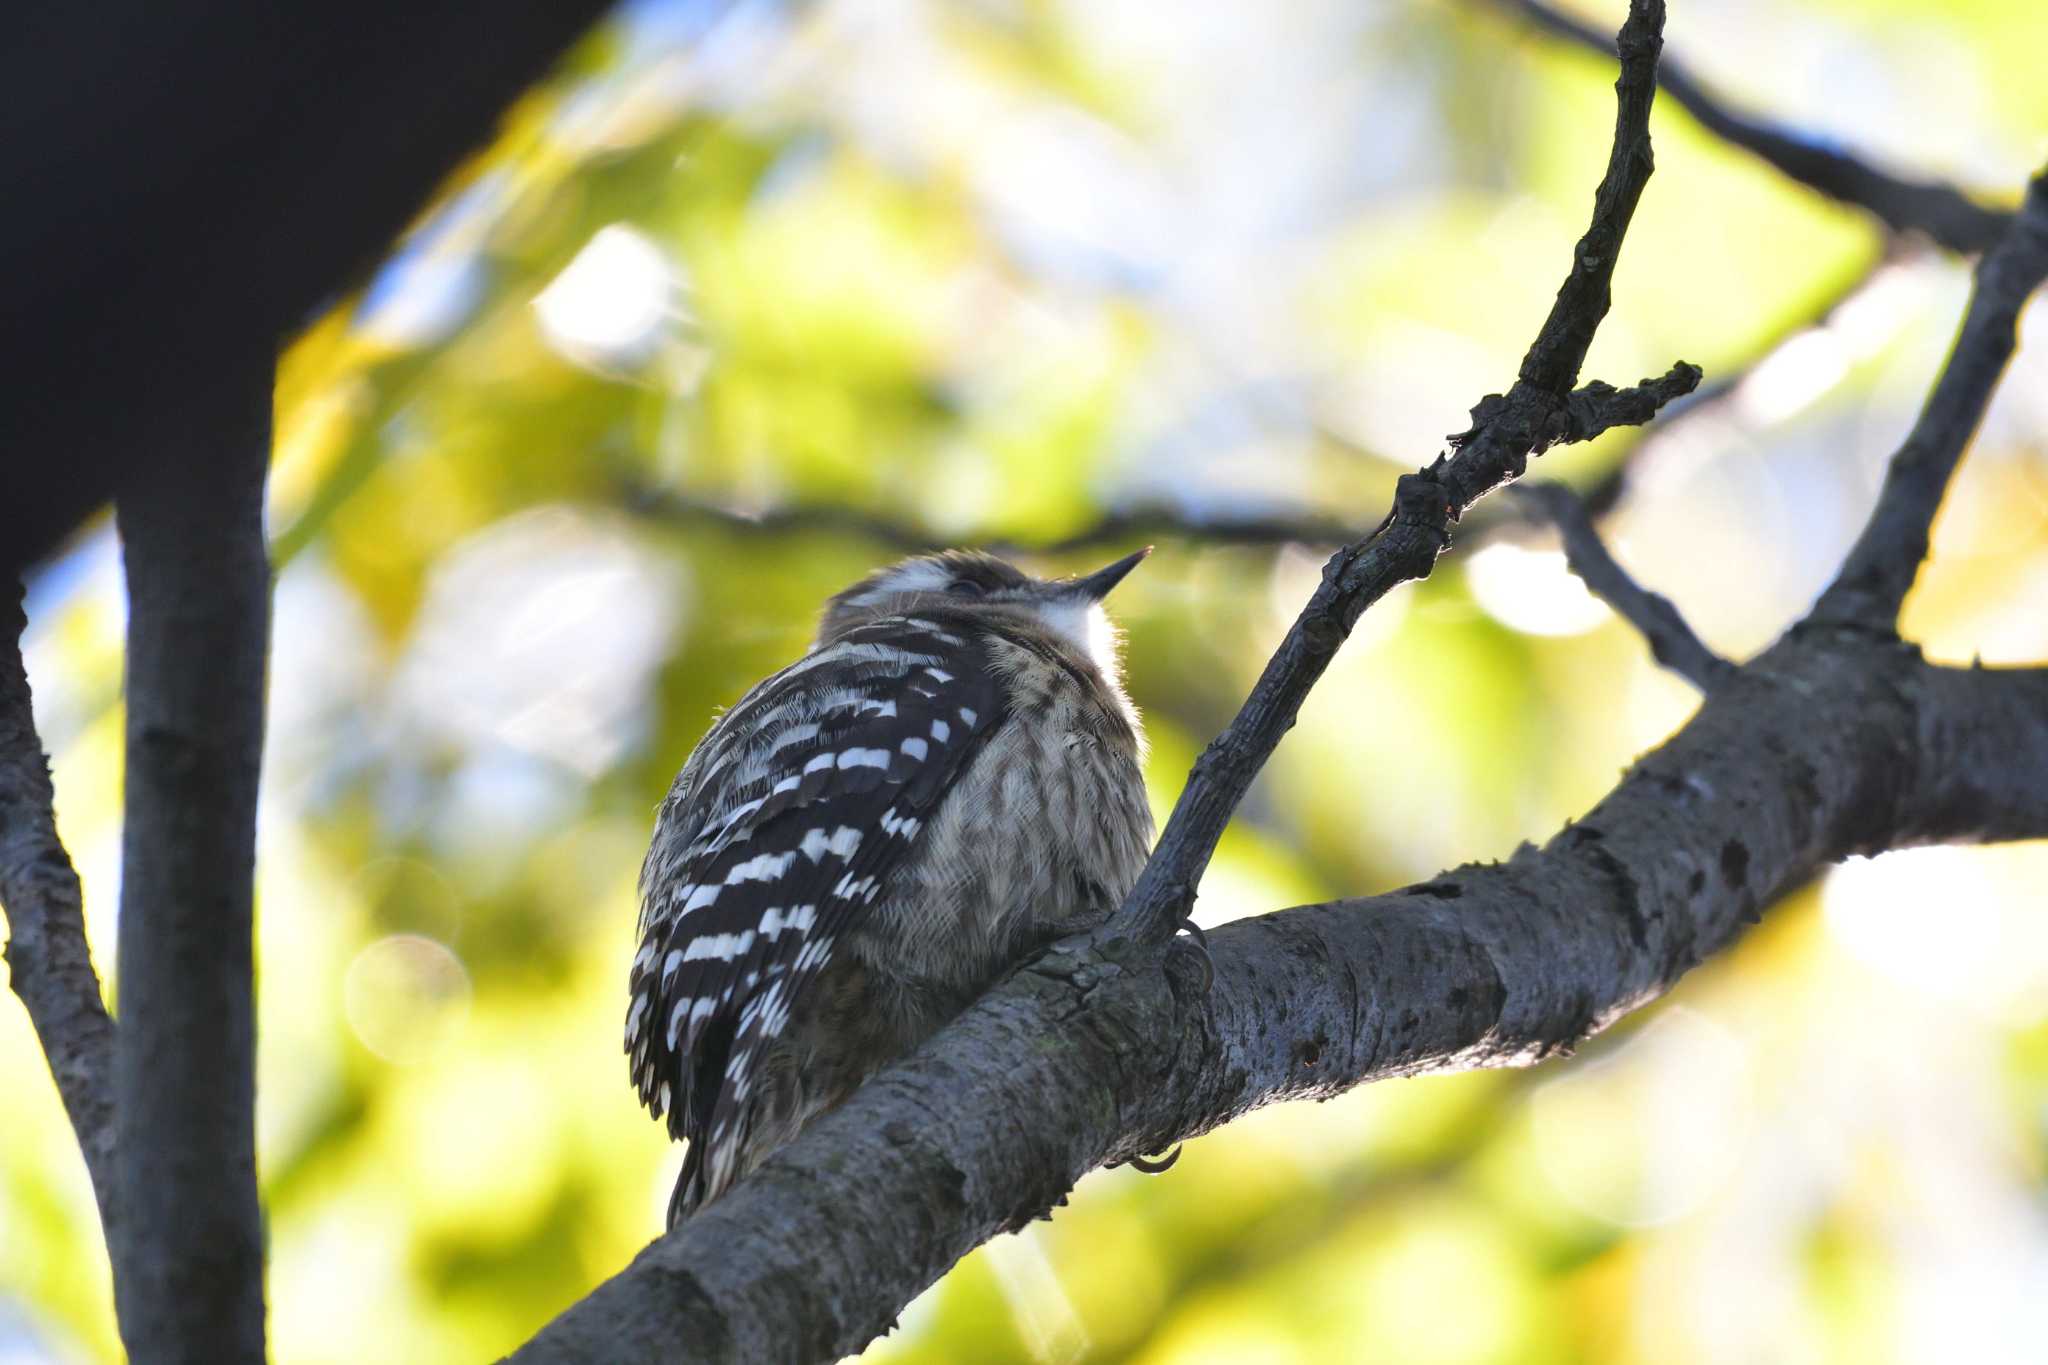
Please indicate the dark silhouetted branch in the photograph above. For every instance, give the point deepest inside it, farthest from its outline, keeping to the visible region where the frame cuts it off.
(49, 963)
(1672, 642)
(1941, 212)
(1875, 578)
(1540, 410)
(188, 1257)
(232, 170)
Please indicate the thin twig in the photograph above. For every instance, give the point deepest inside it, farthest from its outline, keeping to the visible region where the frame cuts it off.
(671, 506)
(1540, 410)
(1875, 578)
(1940, 211)
(1606, 493)
(49, 962)
(1672, 642)
(1112, 528)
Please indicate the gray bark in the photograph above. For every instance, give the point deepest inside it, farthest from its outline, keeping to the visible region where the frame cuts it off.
(188, 1254)
(48, 962)
(1828, 744)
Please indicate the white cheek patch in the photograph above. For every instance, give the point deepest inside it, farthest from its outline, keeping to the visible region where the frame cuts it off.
(1086, 624)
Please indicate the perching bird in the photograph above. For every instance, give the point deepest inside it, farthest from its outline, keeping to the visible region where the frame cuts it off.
(946, 783)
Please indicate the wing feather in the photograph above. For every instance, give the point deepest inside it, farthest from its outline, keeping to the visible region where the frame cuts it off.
(783, 832)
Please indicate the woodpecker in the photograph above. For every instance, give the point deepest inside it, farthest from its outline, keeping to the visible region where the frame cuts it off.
(948, 781)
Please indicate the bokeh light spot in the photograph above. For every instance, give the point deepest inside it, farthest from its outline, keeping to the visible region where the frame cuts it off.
(1962, 925)
(1648, 1134)
(1532, 591)
(404, 996)
(611, 303)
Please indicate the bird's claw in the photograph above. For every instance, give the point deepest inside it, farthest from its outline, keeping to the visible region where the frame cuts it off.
(1155, 1165)
(1196, 942)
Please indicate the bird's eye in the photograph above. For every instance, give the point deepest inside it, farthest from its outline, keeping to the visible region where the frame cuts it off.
(964, 587)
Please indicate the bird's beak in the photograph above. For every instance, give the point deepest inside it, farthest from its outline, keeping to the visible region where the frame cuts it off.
(1096, 586)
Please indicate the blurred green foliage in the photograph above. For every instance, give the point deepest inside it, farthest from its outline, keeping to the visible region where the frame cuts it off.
(984, 273)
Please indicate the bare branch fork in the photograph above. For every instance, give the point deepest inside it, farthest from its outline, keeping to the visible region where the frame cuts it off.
(1540, 410)
(164, 1106)
(1871, 585)
(1879, 571)
(1672, 641)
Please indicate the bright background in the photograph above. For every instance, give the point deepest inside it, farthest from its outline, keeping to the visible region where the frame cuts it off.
(986, 271)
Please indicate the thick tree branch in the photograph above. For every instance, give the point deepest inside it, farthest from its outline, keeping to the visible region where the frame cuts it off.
(1537, 412)
(49, 963)
(1987, 793)
(188, 1263)
(1672, 641)
(1886, 558)
(1817, 749)
(1940, 211)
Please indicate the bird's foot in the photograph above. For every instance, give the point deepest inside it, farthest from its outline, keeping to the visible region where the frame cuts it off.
(1194, 941)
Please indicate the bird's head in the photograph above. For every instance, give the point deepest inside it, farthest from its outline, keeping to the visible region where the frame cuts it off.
(1070, 608)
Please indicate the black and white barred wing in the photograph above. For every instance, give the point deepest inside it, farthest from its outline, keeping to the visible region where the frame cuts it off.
(794, 811)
